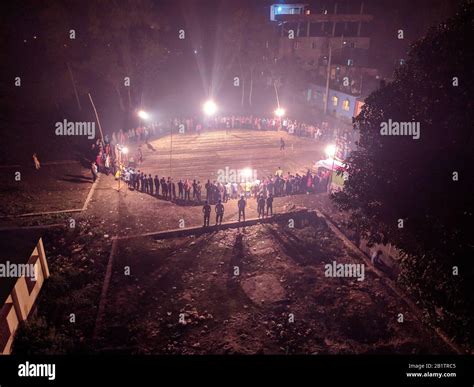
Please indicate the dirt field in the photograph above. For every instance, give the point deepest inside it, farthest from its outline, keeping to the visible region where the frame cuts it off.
(281, 270)
(184, 296)
(200, 157)
(56, 186)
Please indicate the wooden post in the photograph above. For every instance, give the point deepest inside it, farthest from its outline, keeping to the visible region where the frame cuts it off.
(97, 117)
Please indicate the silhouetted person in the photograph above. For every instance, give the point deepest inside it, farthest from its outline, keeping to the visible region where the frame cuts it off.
(219, 212)
(180, 189)
(241, 204)
(173, 189)
(143, 182)
(206, 210)
(261, 206)
(270, 204)
(156, 180)
(164, 188)
(150, 184)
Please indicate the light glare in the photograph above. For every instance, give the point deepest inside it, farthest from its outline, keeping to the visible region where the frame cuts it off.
(209, 108)
(330, 150)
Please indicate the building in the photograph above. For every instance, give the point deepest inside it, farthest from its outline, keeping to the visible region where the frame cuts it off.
(23, 270)
(286, 9)
(309, 36)
(332, 45)
(341, 105)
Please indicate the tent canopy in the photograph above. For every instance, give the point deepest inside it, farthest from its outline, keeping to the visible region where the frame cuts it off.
(328, 164)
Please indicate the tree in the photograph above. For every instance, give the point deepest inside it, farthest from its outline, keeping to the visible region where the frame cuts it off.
(92, 47)
(426, 183)
(248, 43)
(124, 42)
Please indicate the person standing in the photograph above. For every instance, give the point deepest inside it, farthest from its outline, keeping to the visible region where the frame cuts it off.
(164, 188)
(282, 144)
(241, 205)
(219, 212)
(206, 210)
(131, 181)
(270, 204)
(199, 188)
(36, 161)
(150, 184)
(168, 183)
(261, 206)
(187, 190)
(309, 182)
(279, 172)
(173, 189)
(144, 183)
(139, 155)
(208, 189)
(107, 165)
(156, 180)
(95, 171)
(137, 180)
(194, 189)
(180, 189)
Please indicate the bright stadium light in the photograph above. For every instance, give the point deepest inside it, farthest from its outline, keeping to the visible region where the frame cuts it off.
(125, 150)
(209, 108)
(247, 173)
(280, 112)
(143, 115)
(330, 150)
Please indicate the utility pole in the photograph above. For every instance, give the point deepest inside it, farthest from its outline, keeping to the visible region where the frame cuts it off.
(328, 74)
(74, 86)
(171, 148)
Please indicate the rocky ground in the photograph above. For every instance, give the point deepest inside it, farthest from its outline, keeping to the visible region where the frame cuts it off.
(261, 289)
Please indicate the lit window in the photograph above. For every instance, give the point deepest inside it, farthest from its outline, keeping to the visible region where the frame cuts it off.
(350, 62)
(334, 100)
(346, 104)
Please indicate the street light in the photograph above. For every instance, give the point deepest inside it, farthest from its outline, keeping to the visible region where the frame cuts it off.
(143, 115)
(246, 173)
(209, 108)
(280, 112)
(330, 151)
